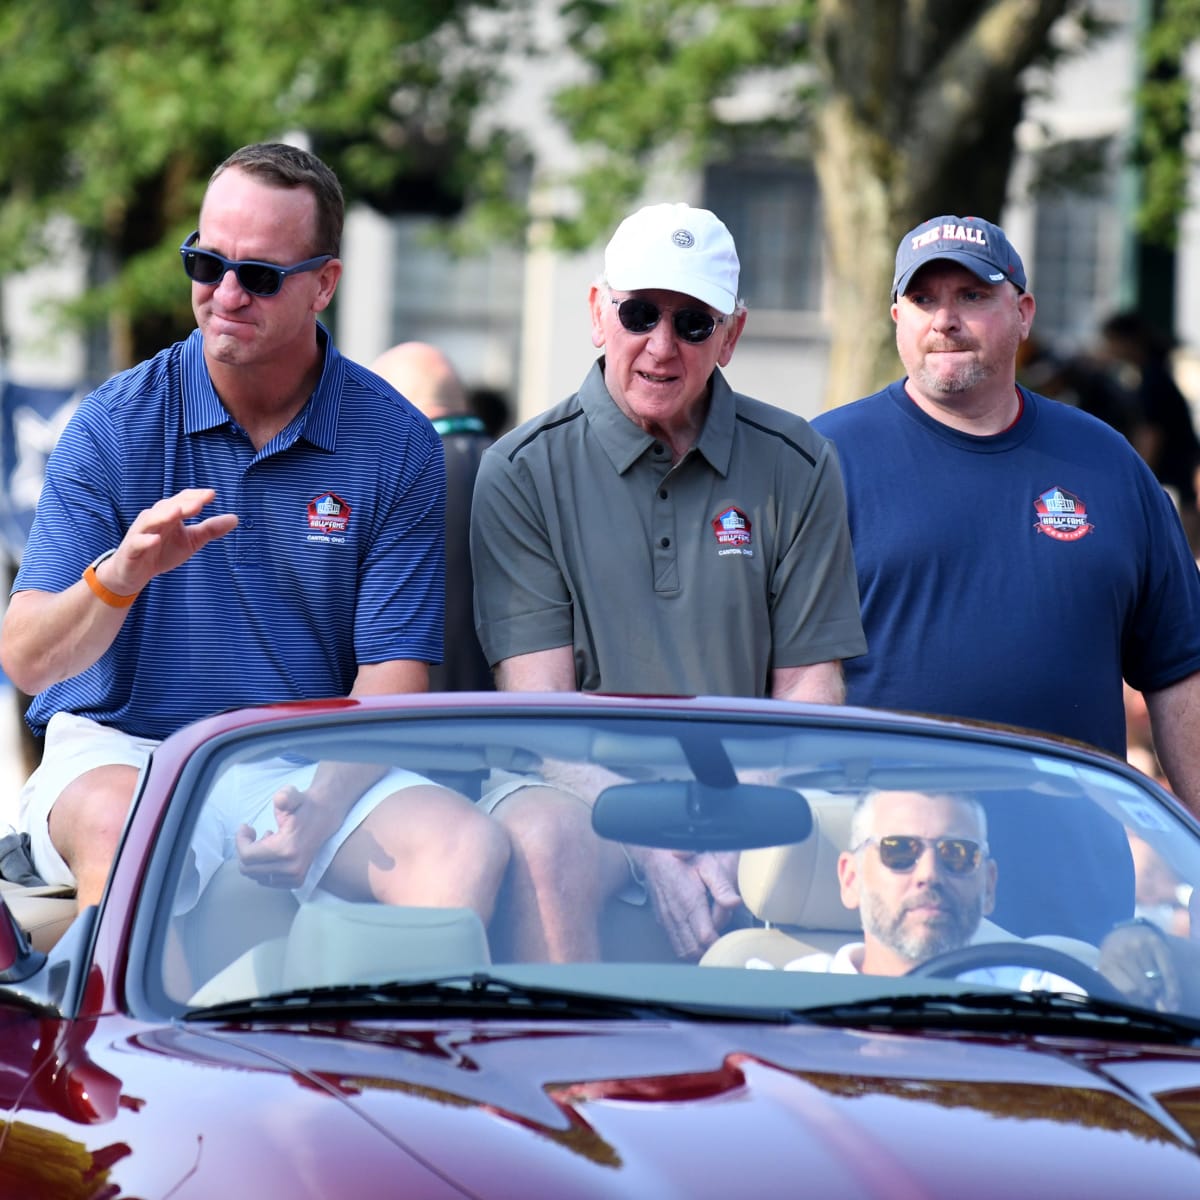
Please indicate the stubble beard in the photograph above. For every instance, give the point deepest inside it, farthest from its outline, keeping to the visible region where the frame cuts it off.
(962, 379)
(918, 942)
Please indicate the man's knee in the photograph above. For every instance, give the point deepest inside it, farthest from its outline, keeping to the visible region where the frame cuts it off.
(440, 826)
(484, 840)
(90, 812)
(545, 825)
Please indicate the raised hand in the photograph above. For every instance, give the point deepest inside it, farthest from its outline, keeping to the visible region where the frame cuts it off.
(164, 536)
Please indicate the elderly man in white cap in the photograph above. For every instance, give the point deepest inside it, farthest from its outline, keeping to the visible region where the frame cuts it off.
(654, 533)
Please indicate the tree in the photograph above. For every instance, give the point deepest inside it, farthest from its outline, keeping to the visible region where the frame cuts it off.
(1164, 117)
(1162, 167)
(116, 111)
(907, 107)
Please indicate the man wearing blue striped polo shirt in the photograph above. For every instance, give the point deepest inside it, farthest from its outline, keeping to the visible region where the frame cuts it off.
(134, 613)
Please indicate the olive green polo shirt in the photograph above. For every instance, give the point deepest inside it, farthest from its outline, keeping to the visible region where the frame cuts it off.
(689, 579)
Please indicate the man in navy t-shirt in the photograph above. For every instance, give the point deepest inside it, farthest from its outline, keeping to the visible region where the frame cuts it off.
(1016, 559)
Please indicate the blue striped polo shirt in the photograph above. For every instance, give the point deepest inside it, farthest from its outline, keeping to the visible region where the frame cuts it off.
(337, 559)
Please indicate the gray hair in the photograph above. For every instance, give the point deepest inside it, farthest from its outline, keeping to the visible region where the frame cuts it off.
(864, 811)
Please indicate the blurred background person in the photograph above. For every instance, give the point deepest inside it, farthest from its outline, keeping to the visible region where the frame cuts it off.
(425, 376)
(1165, 435)
(1083, 381)
(491, 406)
(1139, 737)
(1160, 895)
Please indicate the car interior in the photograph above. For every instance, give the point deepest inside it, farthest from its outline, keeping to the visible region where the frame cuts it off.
(43, 912)
(241, 939)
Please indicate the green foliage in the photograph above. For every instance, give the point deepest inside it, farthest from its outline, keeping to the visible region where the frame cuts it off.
(115, 112)
(1164, 120)
(656, 75)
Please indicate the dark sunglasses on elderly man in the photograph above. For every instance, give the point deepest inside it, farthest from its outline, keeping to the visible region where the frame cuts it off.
(692, 325)
(257, 278)
(900, 852)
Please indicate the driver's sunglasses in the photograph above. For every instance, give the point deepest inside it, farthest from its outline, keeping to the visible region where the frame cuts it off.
(901, 852)
(692, 325)
(257, 278)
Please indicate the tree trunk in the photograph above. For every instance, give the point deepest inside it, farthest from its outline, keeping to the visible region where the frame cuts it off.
(860, 223)
(921, 106)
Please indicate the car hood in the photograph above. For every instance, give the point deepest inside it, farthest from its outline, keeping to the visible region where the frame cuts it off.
(606, 1109)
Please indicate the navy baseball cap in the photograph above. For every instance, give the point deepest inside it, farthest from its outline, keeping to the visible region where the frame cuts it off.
(972, 242)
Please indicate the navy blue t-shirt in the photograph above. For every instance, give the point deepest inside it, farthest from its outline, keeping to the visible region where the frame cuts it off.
(1014, 578)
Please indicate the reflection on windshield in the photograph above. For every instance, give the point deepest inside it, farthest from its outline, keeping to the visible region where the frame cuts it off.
(829, 854)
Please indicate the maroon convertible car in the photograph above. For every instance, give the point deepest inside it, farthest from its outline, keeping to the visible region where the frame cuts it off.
(201, 1036)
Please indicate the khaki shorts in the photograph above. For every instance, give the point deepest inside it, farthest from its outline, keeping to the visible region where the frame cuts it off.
(502, 784)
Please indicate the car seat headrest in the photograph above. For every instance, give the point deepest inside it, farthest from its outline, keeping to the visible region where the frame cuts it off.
(798, 884)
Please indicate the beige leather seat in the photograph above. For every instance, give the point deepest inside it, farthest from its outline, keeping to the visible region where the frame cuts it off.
(232, 915)
(43, 912)
(794, 891)
(333, 941)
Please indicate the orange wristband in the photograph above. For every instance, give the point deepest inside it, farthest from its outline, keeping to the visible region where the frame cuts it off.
(112, 599)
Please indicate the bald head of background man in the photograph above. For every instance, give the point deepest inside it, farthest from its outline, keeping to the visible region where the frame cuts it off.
(424, 375)
(427, 378)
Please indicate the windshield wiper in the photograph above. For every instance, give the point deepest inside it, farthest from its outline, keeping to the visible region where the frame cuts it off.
(477, 994)
(1006, 1011)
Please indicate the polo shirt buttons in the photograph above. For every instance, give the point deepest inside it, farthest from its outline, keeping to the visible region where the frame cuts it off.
(659, 449)
(664, 542)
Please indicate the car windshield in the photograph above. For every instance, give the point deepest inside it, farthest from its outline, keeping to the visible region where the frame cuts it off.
(859, 850)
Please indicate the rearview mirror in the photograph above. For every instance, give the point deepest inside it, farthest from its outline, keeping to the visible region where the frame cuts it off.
(687, 815)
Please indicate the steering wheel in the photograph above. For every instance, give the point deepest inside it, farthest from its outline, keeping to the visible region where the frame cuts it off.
(1031, 955)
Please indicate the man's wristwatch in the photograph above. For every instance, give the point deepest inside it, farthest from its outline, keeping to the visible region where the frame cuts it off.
(112, 599)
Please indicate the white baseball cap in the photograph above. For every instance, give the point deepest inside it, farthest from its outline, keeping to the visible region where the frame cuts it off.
(675, 248)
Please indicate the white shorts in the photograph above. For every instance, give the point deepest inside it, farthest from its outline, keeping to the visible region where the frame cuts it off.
(74, 745)
(242, 796)
(502, 784)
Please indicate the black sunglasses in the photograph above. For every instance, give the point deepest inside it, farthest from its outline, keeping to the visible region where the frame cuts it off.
(692, 325)
(257, 278)
(900, 852)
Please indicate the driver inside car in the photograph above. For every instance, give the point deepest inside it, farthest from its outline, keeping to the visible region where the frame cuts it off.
(920, 874)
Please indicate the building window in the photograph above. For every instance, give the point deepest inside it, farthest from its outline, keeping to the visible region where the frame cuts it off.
(1077, 241)
(773, 211)
(468, 305)
(433, 282)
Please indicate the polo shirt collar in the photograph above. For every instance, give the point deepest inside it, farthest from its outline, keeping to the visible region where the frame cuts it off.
(317, 421)
(625, 442)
